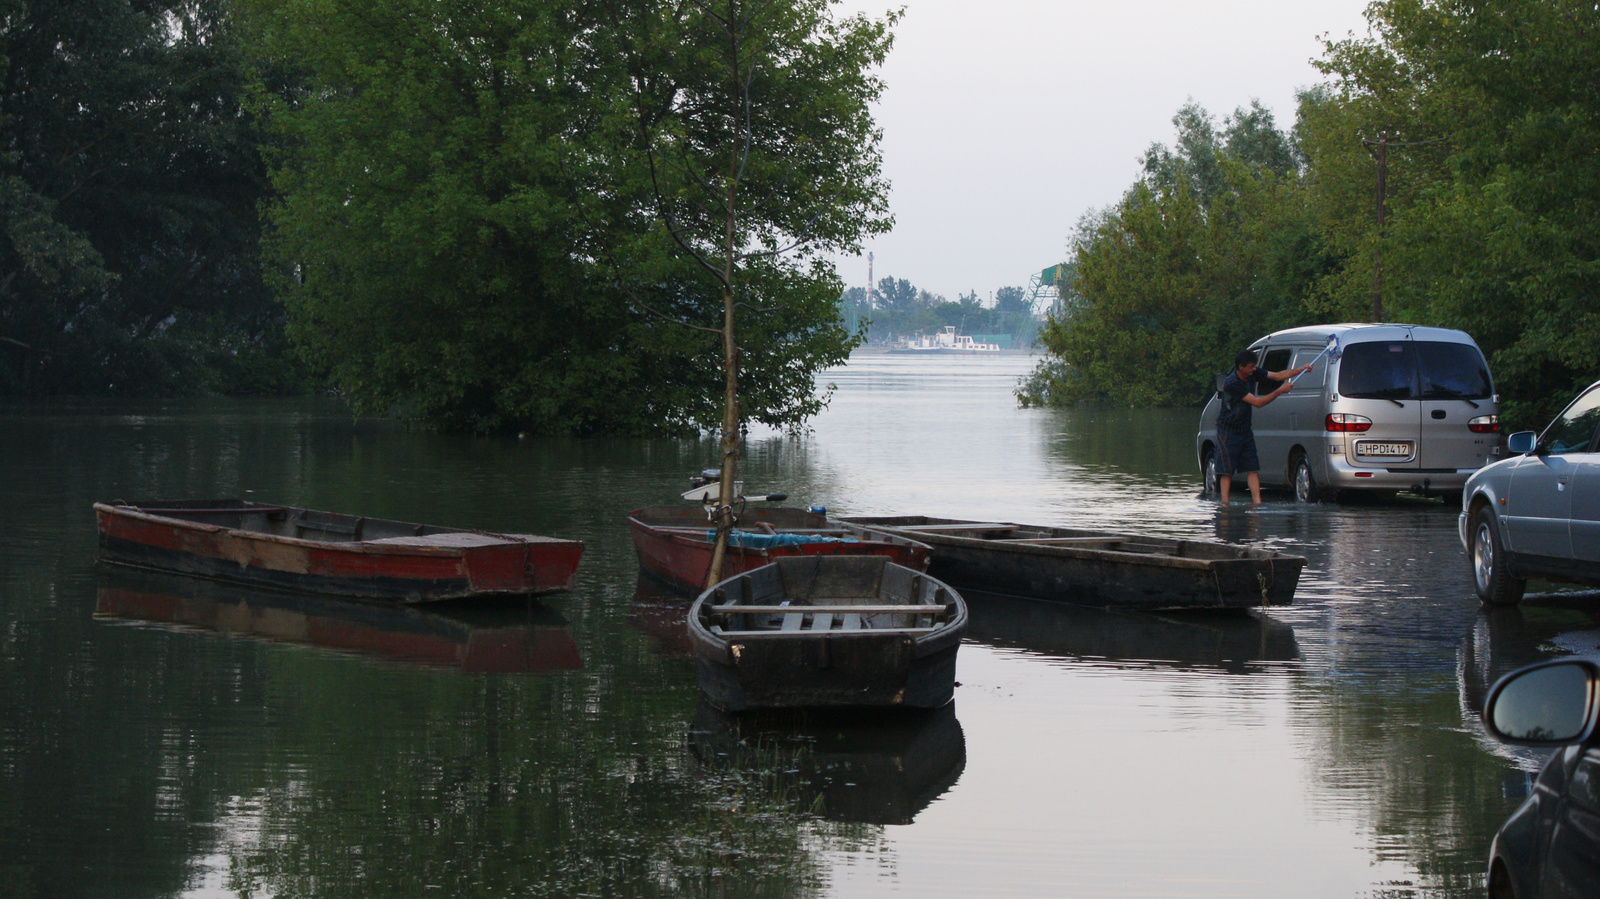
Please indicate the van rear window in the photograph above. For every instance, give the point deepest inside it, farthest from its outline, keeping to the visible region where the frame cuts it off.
(1404, 369)
(1385, 370)
(1452, 371)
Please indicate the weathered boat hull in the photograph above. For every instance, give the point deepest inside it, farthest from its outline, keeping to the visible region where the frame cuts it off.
(672, 545)
(809, 663)
(298, 549)
(1096, 568)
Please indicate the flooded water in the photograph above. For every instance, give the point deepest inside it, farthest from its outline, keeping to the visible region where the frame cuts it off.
(168, 738)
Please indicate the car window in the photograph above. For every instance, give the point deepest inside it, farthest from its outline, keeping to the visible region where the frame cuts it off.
(1276, 359)
(1319, 365)
(1381, 370)
(1574, 428)
(1452, 371)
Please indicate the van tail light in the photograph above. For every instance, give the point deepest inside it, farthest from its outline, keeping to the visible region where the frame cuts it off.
(1484, 424)
(1344, 421)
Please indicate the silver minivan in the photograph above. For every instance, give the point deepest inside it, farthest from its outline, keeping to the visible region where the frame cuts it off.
(1391, 408)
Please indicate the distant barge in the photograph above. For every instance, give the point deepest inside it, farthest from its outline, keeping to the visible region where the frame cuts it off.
(324, 552)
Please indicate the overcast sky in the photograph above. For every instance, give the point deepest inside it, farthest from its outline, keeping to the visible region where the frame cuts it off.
(1005, 121)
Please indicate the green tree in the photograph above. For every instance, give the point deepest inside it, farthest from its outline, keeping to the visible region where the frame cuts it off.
(753, 119)
(129, 179)
(1493, 219)
(472, 203)
(1199, 258)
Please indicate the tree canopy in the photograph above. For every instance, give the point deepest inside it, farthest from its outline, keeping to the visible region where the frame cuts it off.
(1488, 114)
(129, 180)
(499, 217)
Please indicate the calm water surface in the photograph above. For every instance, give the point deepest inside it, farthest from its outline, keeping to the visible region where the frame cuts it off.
(163, 738)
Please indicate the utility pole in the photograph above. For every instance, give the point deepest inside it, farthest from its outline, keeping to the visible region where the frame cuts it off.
(1382, 143)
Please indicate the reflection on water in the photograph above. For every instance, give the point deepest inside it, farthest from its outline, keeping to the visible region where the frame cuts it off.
(1236, 642)
(878, 767)
(525, 639)
(1329, 748)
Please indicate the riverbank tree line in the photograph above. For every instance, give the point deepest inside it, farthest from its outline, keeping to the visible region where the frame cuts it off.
(897, 309)
(524, 216)
(1487, 116)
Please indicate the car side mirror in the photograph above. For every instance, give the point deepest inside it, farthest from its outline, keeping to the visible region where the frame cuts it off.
(1521, 443)
(1549, 704)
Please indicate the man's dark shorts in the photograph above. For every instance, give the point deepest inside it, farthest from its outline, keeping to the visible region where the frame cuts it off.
(1236, 453)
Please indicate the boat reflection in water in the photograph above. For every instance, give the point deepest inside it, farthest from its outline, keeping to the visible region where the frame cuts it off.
(662, 614)
(869, 766)
(526, 639)
(1230, 640)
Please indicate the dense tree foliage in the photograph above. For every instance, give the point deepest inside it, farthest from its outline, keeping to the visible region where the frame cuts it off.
(508, 216)
(129, 180)
(1206, 252)
(1489, 114)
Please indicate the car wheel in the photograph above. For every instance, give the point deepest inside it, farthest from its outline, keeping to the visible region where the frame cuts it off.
(1500, 883)
(1305, 483)
(1491, 574)
(1208, 468)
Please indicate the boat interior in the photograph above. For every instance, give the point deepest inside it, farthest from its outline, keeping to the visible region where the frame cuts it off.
(932, 529)
(844, 595)
(289, 521)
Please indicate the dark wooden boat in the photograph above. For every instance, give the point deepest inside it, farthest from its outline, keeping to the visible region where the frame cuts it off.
(1097, 568)
(827, 632)
(675, 543)
(523, 639)
(324, 552)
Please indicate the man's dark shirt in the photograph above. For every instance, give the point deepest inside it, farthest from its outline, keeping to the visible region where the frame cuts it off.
(1235, 415)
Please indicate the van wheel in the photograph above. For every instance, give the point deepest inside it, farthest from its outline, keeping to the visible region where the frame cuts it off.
(1305, 483)
(1208, 476)
(1491, 574)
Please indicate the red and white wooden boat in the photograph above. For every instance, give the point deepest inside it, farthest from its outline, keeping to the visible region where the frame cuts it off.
(325, 552)
(675, 543)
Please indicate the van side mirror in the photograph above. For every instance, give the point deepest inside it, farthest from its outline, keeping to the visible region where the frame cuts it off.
(1549, 704)
(1521, 443)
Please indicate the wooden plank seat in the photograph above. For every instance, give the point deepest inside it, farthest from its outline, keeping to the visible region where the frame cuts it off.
(869, 631)
(1066, 541)
(824, 617)
(894, 609)
(965, 526)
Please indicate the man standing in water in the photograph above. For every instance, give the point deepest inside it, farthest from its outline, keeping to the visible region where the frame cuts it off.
(1236, 443)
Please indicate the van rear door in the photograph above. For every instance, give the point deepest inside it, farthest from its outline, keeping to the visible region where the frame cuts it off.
(1378, 381)
(1454, 386)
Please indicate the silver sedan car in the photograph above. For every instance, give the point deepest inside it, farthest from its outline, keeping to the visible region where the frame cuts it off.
(1537, 513)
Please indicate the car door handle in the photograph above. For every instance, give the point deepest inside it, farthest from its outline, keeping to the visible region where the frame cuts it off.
(1438, 413)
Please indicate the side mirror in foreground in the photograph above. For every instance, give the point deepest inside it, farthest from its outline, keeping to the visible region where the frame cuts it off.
(1520, 443)
(1548, 704)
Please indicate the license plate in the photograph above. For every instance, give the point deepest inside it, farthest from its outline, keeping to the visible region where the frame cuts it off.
(1383, 449)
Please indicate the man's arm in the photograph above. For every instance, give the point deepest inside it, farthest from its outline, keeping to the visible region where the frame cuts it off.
(1284, 376)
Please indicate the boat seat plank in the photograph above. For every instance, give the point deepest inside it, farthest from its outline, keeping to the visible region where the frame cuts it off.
(457, 540)
(846, 608)
(851, 621)
(966, 526)
(1067, 541)
(792, 621)
(822, 621)
(875, 631)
